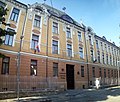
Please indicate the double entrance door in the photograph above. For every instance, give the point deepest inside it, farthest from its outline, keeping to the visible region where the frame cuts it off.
(70, 76)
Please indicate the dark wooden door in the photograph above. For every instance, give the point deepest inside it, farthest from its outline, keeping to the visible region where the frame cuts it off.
(70, 76)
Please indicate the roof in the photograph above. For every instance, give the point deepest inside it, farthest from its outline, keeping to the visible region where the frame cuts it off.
(62, 15)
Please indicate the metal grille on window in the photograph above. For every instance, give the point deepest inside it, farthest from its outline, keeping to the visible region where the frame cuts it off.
(34, 67)
(5, 65)
(55, 69)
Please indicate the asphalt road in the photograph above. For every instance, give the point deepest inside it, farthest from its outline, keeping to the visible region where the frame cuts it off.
(87, 95)
(91, 95)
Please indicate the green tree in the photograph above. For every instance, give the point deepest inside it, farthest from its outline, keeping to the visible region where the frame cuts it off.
(3, 32)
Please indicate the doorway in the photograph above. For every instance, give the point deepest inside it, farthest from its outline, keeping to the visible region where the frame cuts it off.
(70, 76)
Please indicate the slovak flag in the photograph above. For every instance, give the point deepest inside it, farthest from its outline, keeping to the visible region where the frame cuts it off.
(37, 49)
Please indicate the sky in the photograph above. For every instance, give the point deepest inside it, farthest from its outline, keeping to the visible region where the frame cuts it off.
(103, 16)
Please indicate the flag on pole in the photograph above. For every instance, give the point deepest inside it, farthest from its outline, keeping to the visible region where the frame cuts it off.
(37, 48)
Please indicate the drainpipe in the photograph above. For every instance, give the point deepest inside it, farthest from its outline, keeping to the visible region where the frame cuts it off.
(85, 32)
(19, 56)
(47, 38)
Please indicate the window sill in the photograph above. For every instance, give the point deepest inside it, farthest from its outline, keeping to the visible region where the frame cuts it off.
(55, 33)
(8, 45)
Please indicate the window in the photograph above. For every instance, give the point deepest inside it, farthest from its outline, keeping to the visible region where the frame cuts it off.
(90, 41)
(113, 61)
(2, 4)
(82, 71)
(111, 73)
(100, 72)
(55, 47)
(101, 46)
(98, 57)
(112, 49)
(55, 27)
(104, 73)
(33, 67)
(69, 49)
(107, 59)
(15, 14)
(97, 44)
(55, 69)
(79, 36)
(103, 58)
(35, 40)
(109, 48)
(37, 21)
(110, 60)
(68, 32)
(91, 55)
(5, 65)
(9, 38)
(115, 73)
(81, 52)
(93, 72)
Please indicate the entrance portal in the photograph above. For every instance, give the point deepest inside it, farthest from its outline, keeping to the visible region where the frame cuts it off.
(70, 76)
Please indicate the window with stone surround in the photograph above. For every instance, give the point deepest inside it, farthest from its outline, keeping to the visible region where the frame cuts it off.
(82, 71)
(33, 67)
(55, 47)
(9, 38)
(55, 28)
(14, 14)
(55, 69)
(37, 21)
(5, 65)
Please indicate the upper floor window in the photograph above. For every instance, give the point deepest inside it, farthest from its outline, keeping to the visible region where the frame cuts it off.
(98, 57)
(109, 48)
(82, 71)
(55, 47)
(9, 38)
(14, 14)
(107, 59)
(81, 52)
(91, 55)
(2, 4)
(68, 32)
(55, 69)
(55, 27)
(69, 50)
(97, 44)
(90, 40)
(101, 45)
(79, 36)
(110, 60)
(103, 58)
(35, 40)
(33, 67)
(105, 46)
(37, 20)
(5, 65)
(112, 49)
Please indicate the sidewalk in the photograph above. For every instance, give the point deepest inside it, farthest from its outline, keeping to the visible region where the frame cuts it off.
(46, 98)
